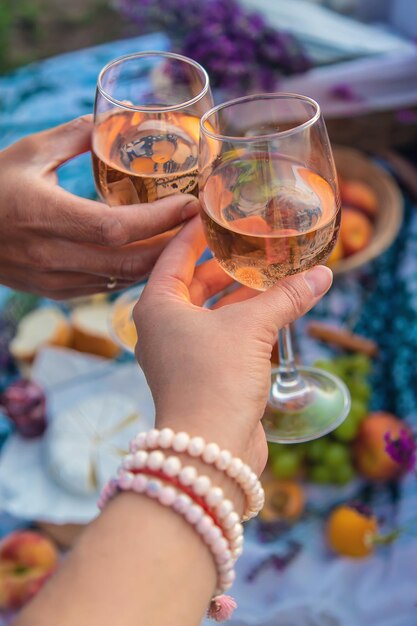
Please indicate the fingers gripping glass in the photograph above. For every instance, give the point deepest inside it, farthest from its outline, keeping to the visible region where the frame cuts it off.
(146, 132)
(271, 209)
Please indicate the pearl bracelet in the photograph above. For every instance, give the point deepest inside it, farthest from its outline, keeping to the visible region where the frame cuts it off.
(192, 512)
(198, 487)
(210, 454)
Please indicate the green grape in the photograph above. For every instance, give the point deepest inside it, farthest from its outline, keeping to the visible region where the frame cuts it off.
(343, 474)
(347, 430)
(335, 455)
(285, 464)
(320, 474)
(359, 389)
(360, 364)
(299, 449)
(330, 366)
(316, 449)
(358, 410)
(273, 449)
(343, 365)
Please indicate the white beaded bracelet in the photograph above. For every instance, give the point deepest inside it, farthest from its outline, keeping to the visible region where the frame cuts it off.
(200, 485)
(210, 454)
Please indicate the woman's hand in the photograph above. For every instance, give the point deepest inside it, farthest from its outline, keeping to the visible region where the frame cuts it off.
(59, 245)
(209, 370)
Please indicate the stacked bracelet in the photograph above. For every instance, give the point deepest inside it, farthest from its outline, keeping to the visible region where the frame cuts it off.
(191, 511)
(211, 454)
(198, 487)
(147, 470)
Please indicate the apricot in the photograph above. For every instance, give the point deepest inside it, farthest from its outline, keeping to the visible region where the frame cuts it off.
(359, 195)
(355, 231)
(350, 532)
(284, 500)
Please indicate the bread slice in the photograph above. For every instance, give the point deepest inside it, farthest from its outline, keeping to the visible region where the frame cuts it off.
(91, 330)
(42, 327)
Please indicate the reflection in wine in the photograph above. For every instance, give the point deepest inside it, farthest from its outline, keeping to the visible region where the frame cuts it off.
(139, 157)
(266, 218)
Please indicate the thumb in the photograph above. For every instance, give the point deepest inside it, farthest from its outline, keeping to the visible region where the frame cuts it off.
(291, 298)
(55, 146)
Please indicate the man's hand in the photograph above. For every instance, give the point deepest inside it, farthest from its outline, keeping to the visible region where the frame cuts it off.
(59, 245)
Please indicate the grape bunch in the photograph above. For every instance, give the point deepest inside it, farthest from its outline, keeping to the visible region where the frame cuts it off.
(329, 459)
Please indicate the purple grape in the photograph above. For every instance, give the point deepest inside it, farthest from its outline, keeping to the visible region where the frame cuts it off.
(25, 404)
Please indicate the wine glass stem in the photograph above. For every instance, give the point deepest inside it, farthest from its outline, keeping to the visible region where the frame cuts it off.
(288, 382)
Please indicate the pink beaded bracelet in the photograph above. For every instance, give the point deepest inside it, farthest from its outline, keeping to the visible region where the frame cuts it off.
(211, 454)
(148, 471)
(193, 513)
(198, 487)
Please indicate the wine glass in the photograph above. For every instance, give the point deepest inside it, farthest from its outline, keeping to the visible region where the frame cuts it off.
(146, 131)
(271, 208)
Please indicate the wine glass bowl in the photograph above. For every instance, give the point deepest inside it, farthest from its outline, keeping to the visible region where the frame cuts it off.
(271, 208)
(146, 127)
(268, 213)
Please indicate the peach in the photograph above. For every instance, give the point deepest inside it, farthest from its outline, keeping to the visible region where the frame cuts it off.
(369, 453)
(27, 559)
(337, 253)
(355, 231)
(359, 195)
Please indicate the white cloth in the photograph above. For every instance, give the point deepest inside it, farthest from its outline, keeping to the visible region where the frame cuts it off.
(27, 490)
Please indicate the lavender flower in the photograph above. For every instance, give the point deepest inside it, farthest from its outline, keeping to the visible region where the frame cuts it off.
(345, 92)
(406, 116)
(402, 449)
(239, 50)
(277, 562)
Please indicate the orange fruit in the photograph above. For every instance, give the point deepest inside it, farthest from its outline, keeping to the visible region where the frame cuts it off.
(360, 195)
(350, 532)
(284, 500)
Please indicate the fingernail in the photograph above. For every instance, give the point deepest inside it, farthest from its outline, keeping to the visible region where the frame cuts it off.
(319, 279)
(190, 209)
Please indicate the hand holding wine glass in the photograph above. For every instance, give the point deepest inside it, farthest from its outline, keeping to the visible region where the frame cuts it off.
(145, 141)
(59, 245)
(209, 370)
(271, 209)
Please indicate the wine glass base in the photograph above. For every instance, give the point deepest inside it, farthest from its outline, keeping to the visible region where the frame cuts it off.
(324, 405)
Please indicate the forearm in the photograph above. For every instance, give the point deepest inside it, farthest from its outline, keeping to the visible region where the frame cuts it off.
(138, 564)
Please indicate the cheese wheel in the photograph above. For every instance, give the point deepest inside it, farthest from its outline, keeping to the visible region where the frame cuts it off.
(85, 443)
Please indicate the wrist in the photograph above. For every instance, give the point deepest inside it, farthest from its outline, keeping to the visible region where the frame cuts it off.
(212, 426)
(158, 451)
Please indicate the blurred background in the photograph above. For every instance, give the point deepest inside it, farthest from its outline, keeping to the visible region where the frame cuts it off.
(362, 50)
(358, 59)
